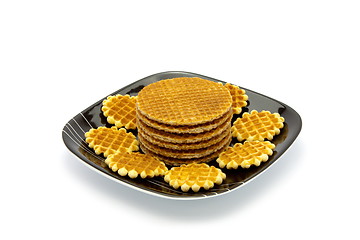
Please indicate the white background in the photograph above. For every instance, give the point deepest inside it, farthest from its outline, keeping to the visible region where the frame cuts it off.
(58, 57)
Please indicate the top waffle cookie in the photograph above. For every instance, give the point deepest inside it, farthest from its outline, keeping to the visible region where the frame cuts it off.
(184, 101)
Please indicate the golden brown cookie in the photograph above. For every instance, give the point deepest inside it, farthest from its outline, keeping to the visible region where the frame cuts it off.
(134, 164)
(110, 140)
(184, 101)
(239, 97)
(256, 125)
(120, 110)
(245, 155)
(194, 176)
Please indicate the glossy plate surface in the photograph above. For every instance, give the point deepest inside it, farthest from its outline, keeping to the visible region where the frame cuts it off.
(92, 117)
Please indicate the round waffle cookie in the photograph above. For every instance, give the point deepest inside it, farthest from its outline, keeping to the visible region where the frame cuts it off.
(245, 155)
(134, 164)
(239, 97)
(184, 101)
(257, 126)
(120, 110)
(194, 176)
(110, 140)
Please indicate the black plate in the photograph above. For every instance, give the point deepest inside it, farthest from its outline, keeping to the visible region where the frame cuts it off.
(92, 117)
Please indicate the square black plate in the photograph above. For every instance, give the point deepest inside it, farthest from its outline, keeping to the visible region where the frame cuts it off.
(92, 117)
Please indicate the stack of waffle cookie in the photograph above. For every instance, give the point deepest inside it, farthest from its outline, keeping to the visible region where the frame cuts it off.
(184, 120)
